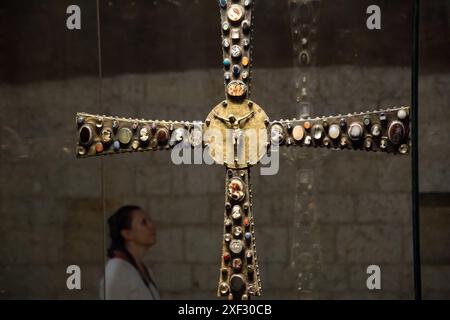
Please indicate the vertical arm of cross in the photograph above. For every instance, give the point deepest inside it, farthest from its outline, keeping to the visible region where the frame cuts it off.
(103, 135)
(383, 130)
(236, 25)
(239, 278)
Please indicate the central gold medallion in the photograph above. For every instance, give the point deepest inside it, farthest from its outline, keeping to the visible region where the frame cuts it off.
(236, 133)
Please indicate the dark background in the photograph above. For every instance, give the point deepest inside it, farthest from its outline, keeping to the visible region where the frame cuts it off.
(168, 29)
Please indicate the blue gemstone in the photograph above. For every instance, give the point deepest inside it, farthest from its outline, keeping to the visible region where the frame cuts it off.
(226, 63)
(236, 71)
(80, 120)
(223, 3)
(116, 145)
(248, 235)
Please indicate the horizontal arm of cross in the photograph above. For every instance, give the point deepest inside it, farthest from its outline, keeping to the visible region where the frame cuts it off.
(382, 130)
(103, 135)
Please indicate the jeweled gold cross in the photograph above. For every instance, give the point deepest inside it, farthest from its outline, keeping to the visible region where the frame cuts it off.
(252, 135)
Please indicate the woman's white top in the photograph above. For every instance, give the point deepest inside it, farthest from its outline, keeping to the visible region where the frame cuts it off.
(123, 282)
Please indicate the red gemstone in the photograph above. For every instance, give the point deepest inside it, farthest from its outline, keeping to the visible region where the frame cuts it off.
(246, 222)
(162, 135)
(99, 147)
(226, 257)
(237, 263)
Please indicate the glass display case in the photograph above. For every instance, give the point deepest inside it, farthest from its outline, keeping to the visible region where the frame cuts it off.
(97, 96)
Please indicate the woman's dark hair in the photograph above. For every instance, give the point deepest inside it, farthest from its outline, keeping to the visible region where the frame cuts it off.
(120, 220)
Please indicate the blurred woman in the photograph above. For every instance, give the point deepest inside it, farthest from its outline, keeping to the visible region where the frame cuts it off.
(132, 233)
